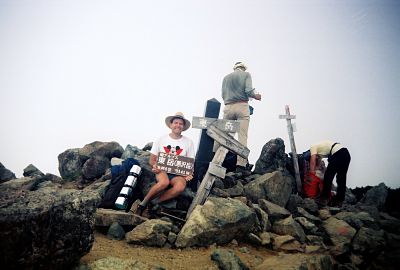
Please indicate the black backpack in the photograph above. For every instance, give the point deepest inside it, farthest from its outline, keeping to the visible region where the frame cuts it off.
(119, 175)
(306, 155)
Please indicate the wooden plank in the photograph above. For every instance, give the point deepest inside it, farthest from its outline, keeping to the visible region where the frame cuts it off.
(106, 217)
(205, 186)
(223, 124)
(217, 170)
(284, 116)
(228, 141)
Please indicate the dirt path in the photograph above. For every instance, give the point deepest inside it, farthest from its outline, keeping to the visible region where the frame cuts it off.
(169, 258)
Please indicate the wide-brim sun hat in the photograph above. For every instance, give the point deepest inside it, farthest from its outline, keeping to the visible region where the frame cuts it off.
(239, 65)
(179, 115)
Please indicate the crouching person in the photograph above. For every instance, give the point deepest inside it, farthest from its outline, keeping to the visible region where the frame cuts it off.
(338, 164)
(173, 143)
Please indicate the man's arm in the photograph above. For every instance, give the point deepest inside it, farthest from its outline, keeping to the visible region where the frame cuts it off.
(313, 160)
(313, 157)
(254, 95)
(153, 164)
(250, 90)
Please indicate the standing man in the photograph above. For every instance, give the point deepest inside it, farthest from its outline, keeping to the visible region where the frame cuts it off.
(338, 164)
(172, 143)
(236, 90)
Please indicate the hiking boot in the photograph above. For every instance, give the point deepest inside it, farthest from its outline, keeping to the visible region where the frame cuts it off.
(336, 203)
(139, 209)
(321, 202)
(144, 211)
(147, 213)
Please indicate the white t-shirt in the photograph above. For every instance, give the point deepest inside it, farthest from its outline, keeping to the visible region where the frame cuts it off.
(324, 148)
(181, 147)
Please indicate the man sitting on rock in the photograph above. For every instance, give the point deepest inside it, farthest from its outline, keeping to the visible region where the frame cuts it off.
(172, 143)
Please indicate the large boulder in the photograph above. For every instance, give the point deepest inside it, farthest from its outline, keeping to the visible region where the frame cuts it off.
(274, 211)
(103, 149)
(372, 210)
(116, 231)
(70, 164)
(228, 260)
(272, 157)
(152, 232)
(130, 152)
(218, 221)
(303, 213)
(357, 219)
(368, 242)
(5, 174)
(389, 223)
(31, 170)
(349, 197)
(297, 262)
(308, 226)
(289, 226)
(286, 243)
(262, 223)
(113, 263)
(273, 187)
(95, 167)
(392, 205)
(340, 233)
(376, 196)
(48, 228)
(88, 162)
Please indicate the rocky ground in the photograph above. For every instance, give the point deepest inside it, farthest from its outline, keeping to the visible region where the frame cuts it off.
(168, 258)
(51, 222)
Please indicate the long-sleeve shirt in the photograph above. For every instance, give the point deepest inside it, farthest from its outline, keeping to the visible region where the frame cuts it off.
(237, 86)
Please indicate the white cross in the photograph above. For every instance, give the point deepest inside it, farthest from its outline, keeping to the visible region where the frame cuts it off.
(288, 118)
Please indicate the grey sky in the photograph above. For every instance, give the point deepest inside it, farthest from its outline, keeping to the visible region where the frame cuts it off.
(72, 72)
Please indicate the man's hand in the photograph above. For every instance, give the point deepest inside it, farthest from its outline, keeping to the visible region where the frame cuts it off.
(257, 96)
(155, 170)
(188, 178)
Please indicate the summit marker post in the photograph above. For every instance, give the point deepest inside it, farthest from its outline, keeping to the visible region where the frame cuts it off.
(288, 118)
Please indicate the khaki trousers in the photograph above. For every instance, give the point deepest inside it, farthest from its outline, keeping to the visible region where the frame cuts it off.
(240, 112)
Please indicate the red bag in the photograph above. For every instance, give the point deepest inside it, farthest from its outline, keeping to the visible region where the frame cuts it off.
(312, 185)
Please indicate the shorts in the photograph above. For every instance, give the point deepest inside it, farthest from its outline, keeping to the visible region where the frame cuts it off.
(171, 175)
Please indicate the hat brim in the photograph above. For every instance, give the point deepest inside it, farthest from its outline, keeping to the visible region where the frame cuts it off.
(241, 65)
(169, 118)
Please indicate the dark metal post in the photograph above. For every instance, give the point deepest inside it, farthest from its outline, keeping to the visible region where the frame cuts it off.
(205, 148)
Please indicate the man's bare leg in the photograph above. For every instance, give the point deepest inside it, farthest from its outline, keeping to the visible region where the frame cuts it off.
(178, 184)
(162, 183)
